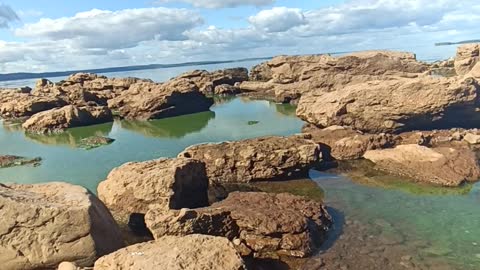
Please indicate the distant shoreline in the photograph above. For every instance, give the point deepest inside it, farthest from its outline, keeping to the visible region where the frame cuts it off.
(457, 43)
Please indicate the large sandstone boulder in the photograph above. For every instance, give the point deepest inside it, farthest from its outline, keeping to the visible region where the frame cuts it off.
(260, 224)
(441, 165)
(207, 82)
(146, 100)
(267, 158)
(57, 120)
(395, 105)
(43, 225)
(192, 252)
(17, 104)
(344, 143)
(286, 78)
(167, 183)
(466, 58)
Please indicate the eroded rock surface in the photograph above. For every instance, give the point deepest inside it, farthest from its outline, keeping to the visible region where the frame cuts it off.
(43, 225)
(57, 120)
(267, 158)
(192, 252)
(208, 82)
(166, 183)
(466, 58)
(260, 224)
(441, 165)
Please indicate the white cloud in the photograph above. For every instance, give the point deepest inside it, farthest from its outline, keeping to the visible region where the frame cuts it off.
(7, 15)
(220, 3)
(278, 19)
(114, 30)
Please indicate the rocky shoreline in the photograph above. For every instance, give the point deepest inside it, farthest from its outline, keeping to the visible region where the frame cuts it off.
(201, 209)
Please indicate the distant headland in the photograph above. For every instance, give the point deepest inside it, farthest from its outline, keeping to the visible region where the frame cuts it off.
(457, 43)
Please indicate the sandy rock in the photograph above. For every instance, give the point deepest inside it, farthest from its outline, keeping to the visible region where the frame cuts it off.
(57, 120)
(225, 90)
(207, 82)
(17, 104)
(166, 183)
(286, 78)
(344, 143)
(265, 225)
(67, 266)
(441, 165)
(466, 58)
(46, 224)
(395, 105)
(267, 158)
(146, 100)
(192, 252)
(472, 138)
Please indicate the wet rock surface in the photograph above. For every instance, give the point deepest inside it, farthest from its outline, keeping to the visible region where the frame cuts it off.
(7, 161)
(199, 252)
(95, 142)
(259, 159)
(45, 224)
(260, 224)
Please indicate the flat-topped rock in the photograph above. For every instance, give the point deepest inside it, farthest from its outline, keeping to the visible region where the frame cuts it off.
(146, 100)
(46, 224)
(466, 58)
(57, 120)
(260, 159)
(260, 224)
(441, 165)
(16, 104)
(192, 252)
(395, 105)
(167, 183)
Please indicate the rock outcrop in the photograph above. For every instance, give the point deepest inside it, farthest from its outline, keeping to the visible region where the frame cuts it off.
(146, 100)
(344, 143)
(57, 120)
(16, 104)
(441, 165)
(286, 78)
(395, 105)
(7, 161)
(260, 224)
(466, 58)
(260, 159)
(217, 81)
(46, 224)
(166, 183)
(192, 252)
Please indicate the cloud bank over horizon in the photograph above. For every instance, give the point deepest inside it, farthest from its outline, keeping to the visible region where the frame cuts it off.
(200, 31)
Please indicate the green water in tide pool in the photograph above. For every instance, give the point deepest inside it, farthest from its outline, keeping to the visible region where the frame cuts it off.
(446, 223)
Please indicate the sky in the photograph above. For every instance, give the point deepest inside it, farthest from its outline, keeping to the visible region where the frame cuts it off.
(54, 35)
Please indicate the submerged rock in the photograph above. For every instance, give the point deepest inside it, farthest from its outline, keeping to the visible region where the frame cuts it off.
(57, 120)
(260, 159)
(167, 183)
(46, 224)
(95, 142)
(260, 224)
(195, 252)
(12, 161)
(441, 165)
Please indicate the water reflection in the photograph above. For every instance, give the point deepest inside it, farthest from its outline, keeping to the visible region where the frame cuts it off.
(175, 127)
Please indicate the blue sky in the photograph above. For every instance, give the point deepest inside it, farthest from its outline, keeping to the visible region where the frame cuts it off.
(45, 35)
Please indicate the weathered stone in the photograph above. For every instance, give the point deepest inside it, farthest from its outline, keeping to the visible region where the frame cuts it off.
(16, 104)
(57, 120)
(12, 161)
(192, 252)
(46, 224)
(441, 165)
(208, 82)
(395, 105)
(472, 138)
(466, 58)
(267, 225)
(167, 183)
(94, 142)
(267, 158)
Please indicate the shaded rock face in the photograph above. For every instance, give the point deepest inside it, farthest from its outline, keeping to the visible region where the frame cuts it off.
(164, 183)
(43, 225)
(57, 120)
(395, 105)
(208, 82)
(268, 158)
(260, 224)
(192, 252)
(344, 143)
(441, 165)
(286, 78)
(466, 58)
(144, 101)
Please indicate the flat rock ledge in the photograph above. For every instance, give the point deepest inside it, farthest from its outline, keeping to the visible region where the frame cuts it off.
(166, 183)
(261, 225)
(46, 224)
(443, 166)
(260, 159)
(192, 252)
